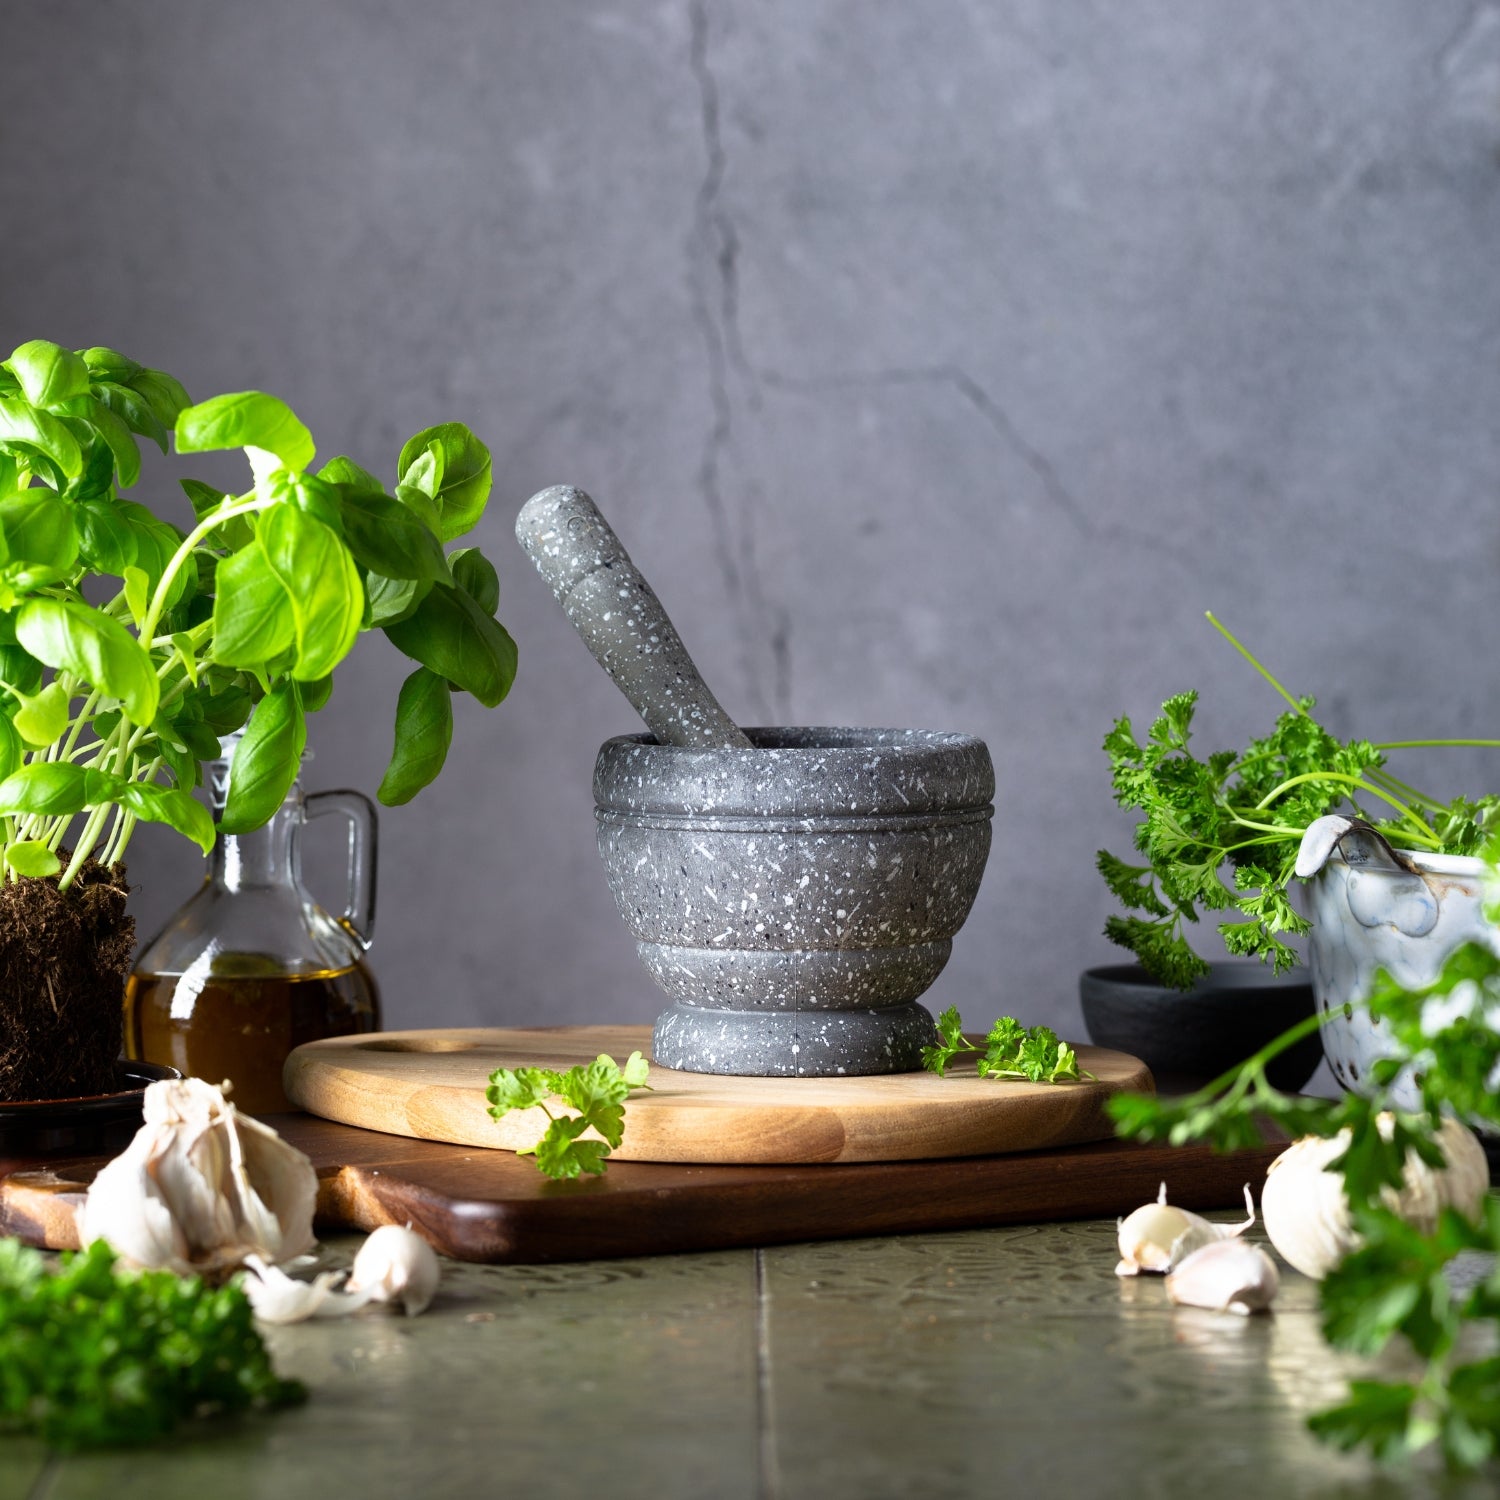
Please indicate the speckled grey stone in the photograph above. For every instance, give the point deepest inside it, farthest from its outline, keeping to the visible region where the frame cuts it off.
(620, 618)
(794, 899)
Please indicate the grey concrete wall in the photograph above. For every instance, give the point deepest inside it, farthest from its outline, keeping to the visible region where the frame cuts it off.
(940, 363)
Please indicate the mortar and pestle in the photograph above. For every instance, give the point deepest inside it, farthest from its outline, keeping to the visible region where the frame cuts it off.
(793, 890)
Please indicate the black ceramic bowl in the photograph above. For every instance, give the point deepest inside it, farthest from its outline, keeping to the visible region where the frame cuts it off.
(1187, 1037)
(95, 1125)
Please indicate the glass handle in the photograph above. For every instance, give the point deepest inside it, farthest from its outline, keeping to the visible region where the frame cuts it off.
(359, 908)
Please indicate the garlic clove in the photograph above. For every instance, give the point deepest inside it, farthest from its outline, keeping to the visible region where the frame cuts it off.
(276, 1297)
(396, 1265)
(1307, 1216)
(1157, 1236)
(125, 1209)
(1227, 1276)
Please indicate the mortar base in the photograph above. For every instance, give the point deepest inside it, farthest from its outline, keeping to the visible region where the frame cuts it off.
(790, 1044)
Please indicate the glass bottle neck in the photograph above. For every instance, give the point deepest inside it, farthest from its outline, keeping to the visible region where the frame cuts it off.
(268, 857)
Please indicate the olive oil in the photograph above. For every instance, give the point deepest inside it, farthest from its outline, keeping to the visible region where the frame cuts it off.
(239, 1024)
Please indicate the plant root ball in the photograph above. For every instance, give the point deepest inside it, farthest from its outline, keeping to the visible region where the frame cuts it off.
(64, 958)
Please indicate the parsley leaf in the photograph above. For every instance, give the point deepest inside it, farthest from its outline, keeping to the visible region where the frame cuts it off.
(1011, 1050)
(1220, 833)
(95, 1357)
(597, 1090)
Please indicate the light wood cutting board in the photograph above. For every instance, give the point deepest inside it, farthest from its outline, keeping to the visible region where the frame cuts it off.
(430, 1085)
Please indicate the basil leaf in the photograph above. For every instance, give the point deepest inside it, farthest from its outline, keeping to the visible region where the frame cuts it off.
(253, 620)
(20, 670)
(104, 426)
(163, 393)
(32, 858)
(133, 410)
(389, 539)
(475, 574)
(322, 582)
(316, 693)
(106, 540)
(32, 434)
(55, 788)
(12, 751)
(108, 364)
(40, 536)
(393, 599)
(421, 505)
(204, 498)
(74, 638)
(463, 485)
(246, 419)
(265, 763)
(350, 478)
(225, 711)
(178, 809)
(452, 636)
(48, 373)
(424, 730)
(41, 720)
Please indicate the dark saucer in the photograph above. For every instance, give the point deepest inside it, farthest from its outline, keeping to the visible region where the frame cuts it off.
(94, 1125)
(1188, 1037)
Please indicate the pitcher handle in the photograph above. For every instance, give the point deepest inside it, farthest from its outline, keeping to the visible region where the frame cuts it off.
(359, 908)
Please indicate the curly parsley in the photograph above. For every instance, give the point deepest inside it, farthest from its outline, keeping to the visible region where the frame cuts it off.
(1011, 1050)
(1244, 813)
(94, 1357)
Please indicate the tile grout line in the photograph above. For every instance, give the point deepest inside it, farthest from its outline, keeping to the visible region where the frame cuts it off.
(43, 1481)
(769, 1486)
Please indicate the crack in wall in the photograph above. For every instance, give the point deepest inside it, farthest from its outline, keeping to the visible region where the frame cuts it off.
(977, 396)
(713, 271)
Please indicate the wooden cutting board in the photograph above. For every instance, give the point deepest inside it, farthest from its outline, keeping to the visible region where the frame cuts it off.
(493, 1206)
(430, 1084)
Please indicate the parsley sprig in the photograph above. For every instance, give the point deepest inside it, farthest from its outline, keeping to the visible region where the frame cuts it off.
(1399, 1285)
(1011, 1050)
(94, 1357)
(597, 1090)
(1241, 815)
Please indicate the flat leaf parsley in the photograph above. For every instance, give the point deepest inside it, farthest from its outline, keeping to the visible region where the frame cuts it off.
(597, 1090)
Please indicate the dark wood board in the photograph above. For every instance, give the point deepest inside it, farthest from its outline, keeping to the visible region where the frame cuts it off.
(495, 1207)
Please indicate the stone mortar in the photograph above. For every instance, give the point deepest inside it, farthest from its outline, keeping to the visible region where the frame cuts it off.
(795, 898)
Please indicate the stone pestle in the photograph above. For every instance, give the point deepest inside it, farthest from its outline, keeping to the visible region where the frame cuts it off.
(621, 620)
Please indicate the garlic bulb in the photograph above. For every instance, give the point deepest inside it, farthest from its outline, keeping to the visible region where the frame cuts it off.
(1157, 1236)
(1306, 1213)
(396, 1265)
(201, 1188)
(1227, 1276)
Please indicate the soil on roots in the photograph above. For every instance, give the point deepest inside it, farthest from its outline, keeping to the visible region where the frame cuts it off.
(64, 958)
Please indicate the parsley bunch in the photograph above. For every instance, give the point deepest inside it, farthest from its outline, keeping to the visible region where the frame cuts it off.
(1244, 813)
(598, 1092)
(94, 1357)
(1011, 1050)
(1399, 1283)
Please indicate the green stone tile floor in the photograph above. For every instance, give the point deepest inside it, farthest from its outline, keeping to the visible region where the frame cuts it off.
(985, 1363)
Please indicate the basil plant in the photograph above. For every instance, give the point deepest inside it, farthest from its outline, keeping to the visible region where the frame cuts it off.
(128, 647)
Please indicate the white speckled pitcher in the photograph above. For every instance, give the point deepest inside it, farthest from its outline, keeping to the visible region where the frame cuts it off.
(1368, 913)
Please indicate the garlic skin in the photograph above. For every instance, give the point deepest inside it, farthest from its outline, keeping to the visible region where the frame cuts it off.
(276, 1297)
(201, 1188)
(1307, 1216)
(1227, 1276)
(396, 1265)
(1157, 1236)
